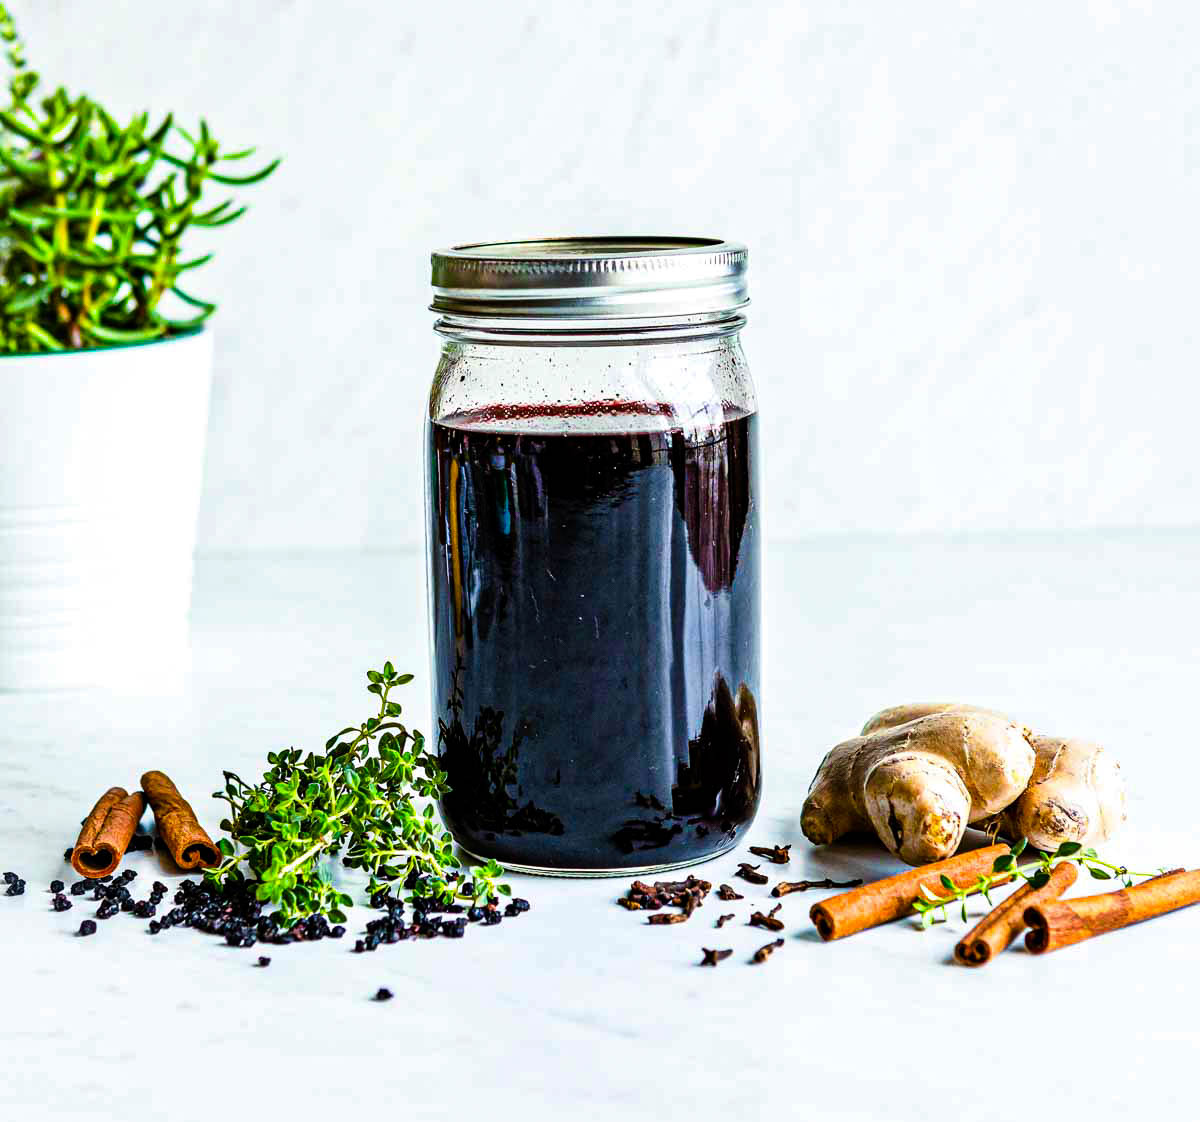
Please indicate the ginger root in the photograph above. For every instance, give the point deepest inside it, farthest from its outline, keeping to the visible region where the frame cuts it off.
(1076, 794)
(918, 776)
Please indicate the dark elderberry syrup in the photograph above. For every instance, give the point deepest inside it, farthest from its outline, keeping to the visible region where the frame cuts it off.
(595, 598)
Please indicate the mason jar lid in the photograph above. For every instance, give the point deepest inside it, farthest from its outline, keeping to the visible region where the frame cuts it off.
(591, 278)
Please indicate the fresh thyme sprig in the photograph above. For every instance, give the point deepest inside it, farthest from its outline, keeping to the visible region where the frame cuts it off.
(93, 215)
(355, 800)
(1036, 873)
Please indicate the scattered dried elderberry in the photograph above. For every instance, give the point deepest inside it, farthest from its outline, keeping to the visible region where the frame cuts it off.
(60, 903)
(10, 878)
(107, 910)
(56, 886)
(263, 960)
(15, 888)
(68, 852)
(87, 927)
(79, 887)
(383, 994)
(337, 932)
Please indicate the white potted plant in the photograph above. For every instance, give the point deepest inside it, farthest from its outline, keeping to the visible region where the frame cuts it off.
(105, 366)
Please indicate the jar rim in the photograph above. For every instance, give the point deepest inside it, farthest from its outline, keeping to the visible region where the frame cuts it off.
(595, 277)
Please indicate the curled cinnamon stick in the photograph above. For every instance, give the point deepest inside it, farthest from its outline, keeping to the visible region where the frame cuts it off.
(1060, 923)
(893, 897)
(176, 823)
(1003, 924)
(106, 831)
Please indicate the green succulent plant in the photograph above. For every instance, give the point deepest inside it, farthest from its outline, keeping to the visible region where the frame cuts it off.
(94, 214)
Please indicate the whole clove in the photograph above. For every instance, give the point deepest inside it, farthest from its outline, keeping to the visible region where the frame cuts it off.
(711, 958)
(776, 854)
(668, 917)
(747, 872)
(765, 952)
(784, 887)
(723, 920)
(768, 922)
(727, 893)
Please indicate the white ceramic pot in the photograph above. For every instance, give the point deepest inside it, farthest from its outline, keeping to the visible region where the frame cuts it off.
(101, 465)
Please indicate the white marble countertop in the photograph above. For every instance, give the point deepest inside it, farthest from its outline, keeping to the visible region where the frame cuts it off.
(579, 1009)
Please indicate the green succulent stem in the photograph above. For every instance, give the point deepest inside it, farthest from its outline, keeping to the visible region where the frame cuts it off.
(95, 216)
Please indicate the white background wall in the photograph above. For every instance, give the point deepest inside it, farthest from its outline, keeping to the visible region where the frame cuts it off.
(972, 226)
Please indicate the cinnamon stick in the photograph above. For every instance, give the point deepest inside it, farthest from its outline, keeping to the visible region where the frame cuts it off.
(893, 897)
(1060, 923)
(106, 831)
(1003, 924)
(177, 824)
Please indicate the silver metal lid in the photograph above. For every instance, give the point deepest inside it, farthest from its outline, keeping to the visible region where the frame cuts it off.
(586, 278)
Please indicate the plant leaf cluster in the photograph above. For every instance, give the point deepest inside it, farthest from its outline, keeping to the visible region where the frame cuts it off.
(357, 800)
(94, 215)
(1036, 873)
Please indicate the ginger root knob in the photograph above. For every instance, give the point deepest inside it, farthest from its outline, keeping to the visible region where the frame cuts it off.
(917, 778)
(1076, 794)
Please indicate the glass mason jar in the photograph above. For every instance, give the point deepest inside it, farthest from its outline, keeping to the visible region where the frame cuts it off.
(593, 541)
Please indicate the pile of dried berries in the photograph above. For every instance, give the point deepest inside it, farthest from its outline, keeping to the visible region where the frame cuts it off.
(427, 919)
(16, 886)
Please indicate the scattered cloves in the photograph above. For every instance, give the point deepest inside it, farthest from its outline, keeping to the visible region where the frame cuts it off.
(727, 893)
(776, 854)
(668, 917)
(786, 886)
(711, 958)
(686, 895)
(765, 952)
(747, 872)
(769, 923)
(723, 920)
